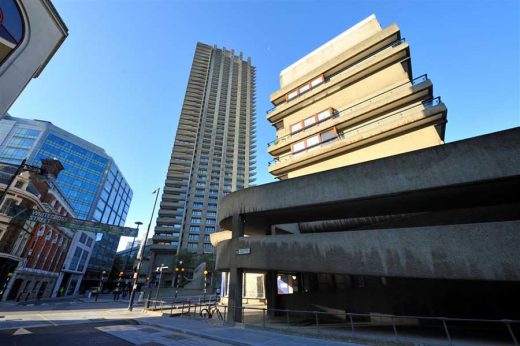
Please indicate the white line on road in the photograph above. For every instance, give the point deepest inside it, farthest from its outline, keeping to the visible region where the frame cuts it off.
(46, 319)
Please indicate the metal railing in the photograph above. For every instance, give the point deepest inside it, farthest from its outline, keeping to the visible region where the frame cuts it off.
(347, 110)
(181, 305)
(364, 128)
(391, 45)
(421, 329)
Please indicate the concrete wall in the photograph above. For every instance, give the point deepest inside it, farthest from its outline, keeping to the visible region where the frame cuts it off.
(480, 251)
(458, 164)
(44, 33)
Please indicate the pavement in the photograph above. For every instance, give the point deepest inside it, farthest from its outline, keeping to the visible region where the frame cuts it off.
(105, 322)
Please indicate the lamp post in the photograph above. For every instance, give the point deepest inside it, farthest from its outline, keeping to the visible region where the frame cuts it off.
(140, 255)
(160, 270)
(138, 223)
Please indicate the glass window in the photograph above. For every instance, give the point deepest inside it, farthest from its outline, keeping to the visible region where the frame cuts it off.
(317, 81)
(324, 115)
(292, 95)
(82, 238)
(304, 88)
(309, 121)
(328, 135)
(299, 146)
(312, 141)
(296, 127)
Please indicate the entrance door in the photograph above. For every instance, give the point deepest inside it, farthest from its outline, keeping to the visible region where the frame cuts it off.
(14, 290)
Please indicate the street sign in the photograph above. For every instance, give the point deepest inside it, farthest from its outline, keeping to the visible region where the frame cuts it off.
(244, 251)
(72, 223)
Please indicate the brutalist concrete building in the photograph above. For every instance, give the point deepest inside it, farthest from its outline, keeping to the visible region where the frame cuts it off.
(213, 153)
(374, 214)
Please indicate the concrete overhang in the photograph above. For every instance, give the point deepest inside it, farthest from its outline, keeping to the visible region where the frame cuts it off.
(475, 171)
(219, 236)
(483, 251)
(358, 52)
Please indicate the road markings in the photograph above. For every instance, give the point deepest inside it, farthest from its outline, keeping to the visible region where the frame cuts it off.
(47, 320)
(21, 331)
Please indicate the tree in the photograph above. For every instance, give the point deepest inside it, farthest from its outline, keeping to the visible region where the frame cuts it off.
(187, 258)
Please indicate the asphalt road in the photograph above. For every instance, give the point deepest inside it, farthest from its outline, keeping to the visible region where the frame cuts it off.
(78, 334)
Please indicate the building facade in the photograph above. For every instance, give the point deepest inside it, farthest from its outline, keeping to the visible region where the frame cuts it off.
(23, 56)
(91, 182)
(354, 99)
(32, 255)
(213, 153)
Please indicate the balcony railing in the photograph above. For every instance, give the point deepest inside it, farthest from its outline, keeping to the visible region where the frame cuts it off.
(360, 129)
(346, 111)
(391, 45)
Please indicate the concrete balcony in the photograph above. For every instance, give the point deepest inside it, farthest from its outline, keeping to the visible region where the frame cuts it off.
(163, 248)
(399, 95)
(163, 237)
(175, 189)
(349, 139)
(392, 54)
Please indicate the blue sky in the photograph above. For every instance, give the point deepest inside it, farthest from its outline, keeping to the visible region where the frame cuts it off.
(119, 78)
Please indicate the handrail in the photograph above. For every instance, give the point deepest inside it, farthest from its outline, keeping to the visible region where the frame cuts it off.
(412, 82)
(349, 316)
(391, 45)
(427, 104)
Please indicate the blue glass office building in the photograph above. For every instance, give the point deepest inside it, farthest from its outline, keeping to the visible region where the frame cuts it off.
(91, 180)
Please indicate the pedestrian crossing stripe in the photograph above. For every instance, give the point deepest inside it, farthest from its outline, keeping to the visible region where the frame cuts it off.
(21, 331)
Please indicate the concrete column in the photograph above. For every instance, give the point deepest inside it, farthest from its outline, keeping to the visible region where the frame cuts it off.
(235, 295)
(236, 276)
(271, 290)
(237, 226)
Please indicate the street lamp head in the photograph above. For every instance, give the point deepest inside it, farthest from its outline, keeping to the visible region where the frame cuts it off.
(51, 168)
(205, 272)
